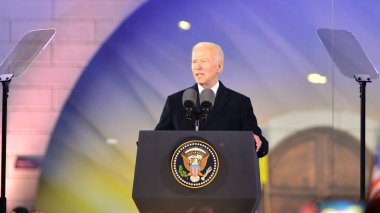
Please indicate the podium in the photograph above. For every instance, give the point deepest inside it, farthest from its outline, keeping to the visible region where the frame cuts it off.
(232, 178)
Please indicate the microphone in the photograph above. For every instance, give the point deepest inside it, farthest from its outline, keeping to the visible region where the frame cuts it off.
(207, 99)
(189, 100)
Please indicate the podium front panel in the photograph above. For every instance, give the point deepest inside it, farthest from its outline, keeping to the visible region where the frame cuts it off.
(235, 188)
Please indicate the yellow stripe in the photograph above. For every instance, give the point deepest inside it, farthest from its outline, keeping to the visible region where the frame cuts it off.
(264, 170)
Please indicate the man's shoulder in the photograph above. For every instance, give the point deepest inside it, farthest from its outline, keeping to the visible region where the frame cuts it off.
(178, 94)
(236, 94)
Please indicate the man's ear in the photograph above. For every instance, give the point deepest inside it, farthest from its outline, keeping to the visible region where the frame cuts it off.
(220, 65)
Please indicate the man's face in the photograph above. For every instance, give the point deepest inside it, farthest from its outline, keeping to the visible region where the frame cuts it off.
(205, 67)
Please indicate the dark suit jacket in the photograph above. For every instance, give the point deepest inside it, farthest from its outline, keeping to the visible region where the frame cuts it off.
(232, 111)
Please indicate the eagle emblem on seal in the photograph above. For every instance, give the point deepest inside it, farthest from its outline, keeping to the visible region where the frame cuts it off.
(194, 164)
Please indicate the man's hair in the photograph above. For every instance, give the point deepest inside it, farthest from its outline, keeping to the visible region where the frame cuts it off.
(219, 56)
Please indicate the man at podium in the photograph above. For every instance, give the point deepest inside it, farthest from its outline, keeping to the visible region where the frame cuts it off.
(227, 111)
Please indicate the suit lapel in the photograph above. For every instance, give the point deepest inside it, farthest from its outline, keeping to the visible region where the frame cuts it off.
(221, 99)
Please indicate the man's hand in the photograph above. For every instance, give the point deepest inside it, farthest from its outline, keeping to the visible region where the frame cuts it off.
(257, 141)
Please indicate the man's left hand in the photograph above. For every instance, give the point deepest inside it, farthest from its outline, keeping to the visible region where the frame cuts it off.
(257, 141)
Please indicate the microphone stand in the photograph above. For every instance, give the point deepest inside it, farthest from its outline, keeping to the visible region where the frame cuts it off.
(189, 114)
(197, 124)
(203, 115)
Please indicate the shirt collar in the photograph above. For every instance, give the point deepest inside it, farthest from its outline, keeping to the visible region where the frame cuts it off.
(214, 88)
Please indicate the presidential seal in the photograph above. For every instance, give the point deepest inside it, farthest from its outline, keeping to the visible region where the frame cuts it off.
(194, 164)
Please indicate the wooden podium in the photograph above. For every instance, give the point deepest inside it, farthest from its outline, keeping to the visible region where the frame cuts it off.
(234, 188)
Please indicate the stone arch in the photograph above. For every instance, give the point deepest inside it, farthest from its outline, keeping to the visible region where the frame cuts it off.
(313, 164)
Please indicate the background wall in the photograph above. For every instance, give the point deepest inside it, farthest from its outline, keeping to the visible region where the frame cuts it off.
(272, 41)
(36, 98)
